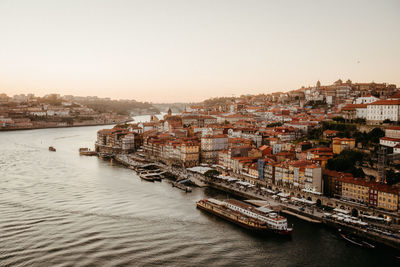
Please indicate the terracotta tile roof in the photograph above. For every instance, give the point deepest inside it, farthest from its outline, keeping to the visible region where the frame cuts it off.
(396, 95)
(331, 132)
(354, 106)
(386, 102)
(343, 139)
(390, 139)
(397, 128)
(372, 185)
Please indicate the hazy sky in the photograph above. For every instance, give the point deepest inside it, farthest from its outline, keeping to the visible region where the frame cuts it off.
(167, 51)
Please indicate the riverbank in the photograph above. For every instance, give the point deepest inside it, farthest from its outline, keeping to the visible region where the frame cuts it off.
(59, 205)
(64, 126)
(308, 214)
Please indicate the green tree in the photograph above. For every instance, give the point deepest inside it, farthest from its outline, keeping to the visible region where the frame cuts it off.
(275, 124)
(375, 135)
(346, 162)
(359, 121)
(338, 119)
(392, 177)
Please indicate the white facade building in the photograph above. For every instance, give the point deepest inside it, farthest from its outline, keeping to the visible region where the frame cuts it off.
(365, 99)
(384, 109)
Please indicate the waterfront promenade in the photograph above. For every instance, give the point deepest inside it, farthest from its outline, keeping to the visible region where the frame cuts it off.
(376, 232)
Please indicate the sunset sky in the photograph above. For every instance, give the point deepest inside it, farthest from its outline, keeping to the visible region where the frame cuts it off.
(179, 51)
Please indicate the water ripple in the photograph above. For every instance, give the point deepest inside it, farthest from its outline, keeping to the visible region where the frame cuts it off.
(62, 209)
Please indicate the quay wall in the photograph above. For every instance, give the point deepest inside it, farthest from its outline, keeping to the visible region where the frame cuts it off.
(369, 235)
(247, 194)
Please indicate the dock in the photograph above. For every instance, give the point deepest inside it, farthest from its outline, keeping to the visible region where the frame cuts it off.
(183, 187)
(305, 218)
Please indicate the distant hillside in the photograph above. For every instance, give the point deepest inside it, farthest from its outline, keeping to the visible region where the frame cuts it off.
(123, 107)
(175, 107)
(215, 101)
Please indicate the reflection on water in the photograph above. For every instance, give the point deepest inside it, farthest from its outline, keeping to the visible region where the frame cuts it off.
(62, 209)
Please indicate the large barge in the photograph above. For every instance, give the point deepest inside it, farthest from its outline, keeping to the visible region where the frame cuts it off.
(246, 216)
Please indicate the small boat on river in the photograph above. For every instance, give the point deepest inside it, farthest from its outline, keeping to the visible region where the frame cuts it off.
(150, 178)
(355, 240)
(52, 149)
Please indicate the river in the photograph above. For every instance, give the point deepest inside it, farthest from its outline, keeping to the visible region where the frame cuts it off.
(62, 209)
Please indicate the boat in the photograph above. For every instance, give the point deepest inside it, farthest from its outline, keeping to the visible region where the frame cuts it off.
(355, 240)
(246, 216)
(183, 187)
(52, 149)
(150, 178)
(84, 151)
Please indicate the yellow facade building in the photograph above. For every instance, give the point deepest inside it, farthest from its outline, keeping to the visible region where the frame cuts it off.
(340, 144)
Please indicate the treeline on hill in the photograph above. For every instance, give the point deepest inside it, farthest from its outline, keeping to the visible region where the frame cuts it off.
(122, 107)
(347, 161)
(348, 130)
(218, 101)
(52, 100)
(392, 177)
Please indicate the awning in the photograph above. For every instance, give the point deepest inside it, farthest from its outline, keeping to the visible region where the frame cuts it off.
(245, 184)
(264, 209)
(199, 169)
(306, 201)
(341, 211)
(311, 191)
(283, 194)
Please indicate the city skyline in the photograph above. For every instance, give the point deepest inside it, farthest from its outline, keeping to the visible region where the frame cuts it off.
(187, 51)
(210, 97)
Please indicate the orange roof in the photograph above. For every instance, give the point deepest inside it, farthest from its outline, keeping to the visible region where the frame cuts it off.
(390, 139)
(354, 106)
(331, 132)
(396, 95)
(343, 139)
(386, 102)
(370, 184)
(397, 128)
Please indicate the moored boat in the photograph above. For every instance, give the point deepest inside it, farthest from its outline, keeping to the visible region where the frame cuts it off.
(183, 187)
(149, 177)
(84, 151)
(355, 240)
(246, 216)
(52, 149)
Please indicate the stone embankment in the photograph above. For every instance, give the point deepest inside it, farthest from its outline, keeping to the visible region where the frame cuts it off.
(309, 214)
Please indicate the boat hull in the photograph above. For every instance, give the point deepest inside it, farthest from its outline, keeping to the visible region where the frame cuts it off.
(256, 229)
(355, 241)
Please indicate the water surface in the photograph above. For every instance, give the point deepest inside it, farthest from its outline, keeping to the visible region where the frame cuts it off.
(62, 209)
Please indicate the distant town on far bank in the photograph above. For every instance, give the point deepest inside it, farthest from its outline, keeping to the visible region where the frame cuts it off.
(26, 111)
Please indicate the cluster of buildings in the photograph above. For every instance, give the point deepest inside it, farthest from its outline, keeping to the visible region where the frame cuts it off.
(339, 92)
(345, 186)
(261, 139)
(27, 111)
(391, 140)
(374, 102)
